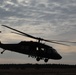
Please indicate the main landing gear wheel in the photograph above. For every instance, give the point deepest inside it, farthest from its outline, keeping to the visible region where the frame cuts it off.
(46, 60)
(38, 59)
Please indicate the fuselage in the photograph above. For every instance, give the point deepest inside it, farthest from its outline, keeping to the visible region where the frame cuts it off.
(35, 49)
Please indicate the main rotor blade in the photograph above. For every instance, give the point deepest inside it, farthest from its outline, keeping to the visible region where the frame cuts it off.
(25, 34)
(43, 39)
(17, 33)
(63, 41)
(39, 39)
(55, 42)
(66, 41)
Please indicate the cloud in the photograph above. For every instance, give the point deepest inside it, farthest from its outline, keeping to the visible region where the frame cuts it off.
(40, 12)
(50, 19)
(59, 15)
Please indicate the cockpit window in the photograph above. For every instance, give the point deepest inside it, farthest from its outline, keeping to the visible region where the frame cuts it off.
(42, 49)
(37, 48)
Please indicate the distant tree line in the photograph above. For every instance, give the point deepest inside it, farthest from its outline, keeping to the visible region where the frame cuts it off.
(24, 66)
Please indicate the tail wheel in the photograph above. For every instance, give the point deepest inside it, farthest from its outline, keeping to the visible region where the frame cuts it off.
(2, 51)
(38, 59)
(46, 60)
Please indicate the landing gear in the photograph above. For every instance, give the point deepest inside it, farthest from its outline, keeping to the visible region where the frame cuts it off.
(46, 60)
(2, 51)
(38, 59)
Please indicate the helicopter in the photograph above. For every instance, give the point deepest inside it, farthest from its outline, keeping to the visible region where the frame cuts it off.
(36, 49)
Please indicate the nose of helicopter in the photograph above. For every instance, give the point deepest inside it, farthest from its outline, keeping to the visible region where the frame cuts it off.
(59, 56)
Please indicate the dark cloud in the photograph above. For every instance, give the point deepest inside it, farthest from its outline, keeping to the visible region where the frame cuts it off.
(57, 16)
(6, 14)
(34, 12)
(33, 2)
(1, 2)
(14, 1)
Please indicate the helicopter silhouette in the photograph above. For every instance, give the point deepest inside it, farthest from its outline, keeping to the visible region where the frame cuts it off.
(35, 49)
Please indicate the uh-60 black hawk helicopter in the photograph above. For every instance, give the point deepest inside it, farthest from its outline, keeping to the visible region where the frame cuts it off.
(33, 48)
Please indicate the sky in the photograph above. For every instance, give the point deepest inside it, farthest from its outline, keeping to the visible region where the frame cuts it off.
(49, 19)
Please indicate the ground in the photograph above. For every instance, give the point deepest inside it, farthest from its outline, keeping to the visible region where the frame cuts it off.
(37, 69)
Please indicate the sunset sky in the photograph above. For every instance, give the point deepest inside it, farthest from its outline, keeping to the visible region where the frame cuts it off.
(49, 19)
